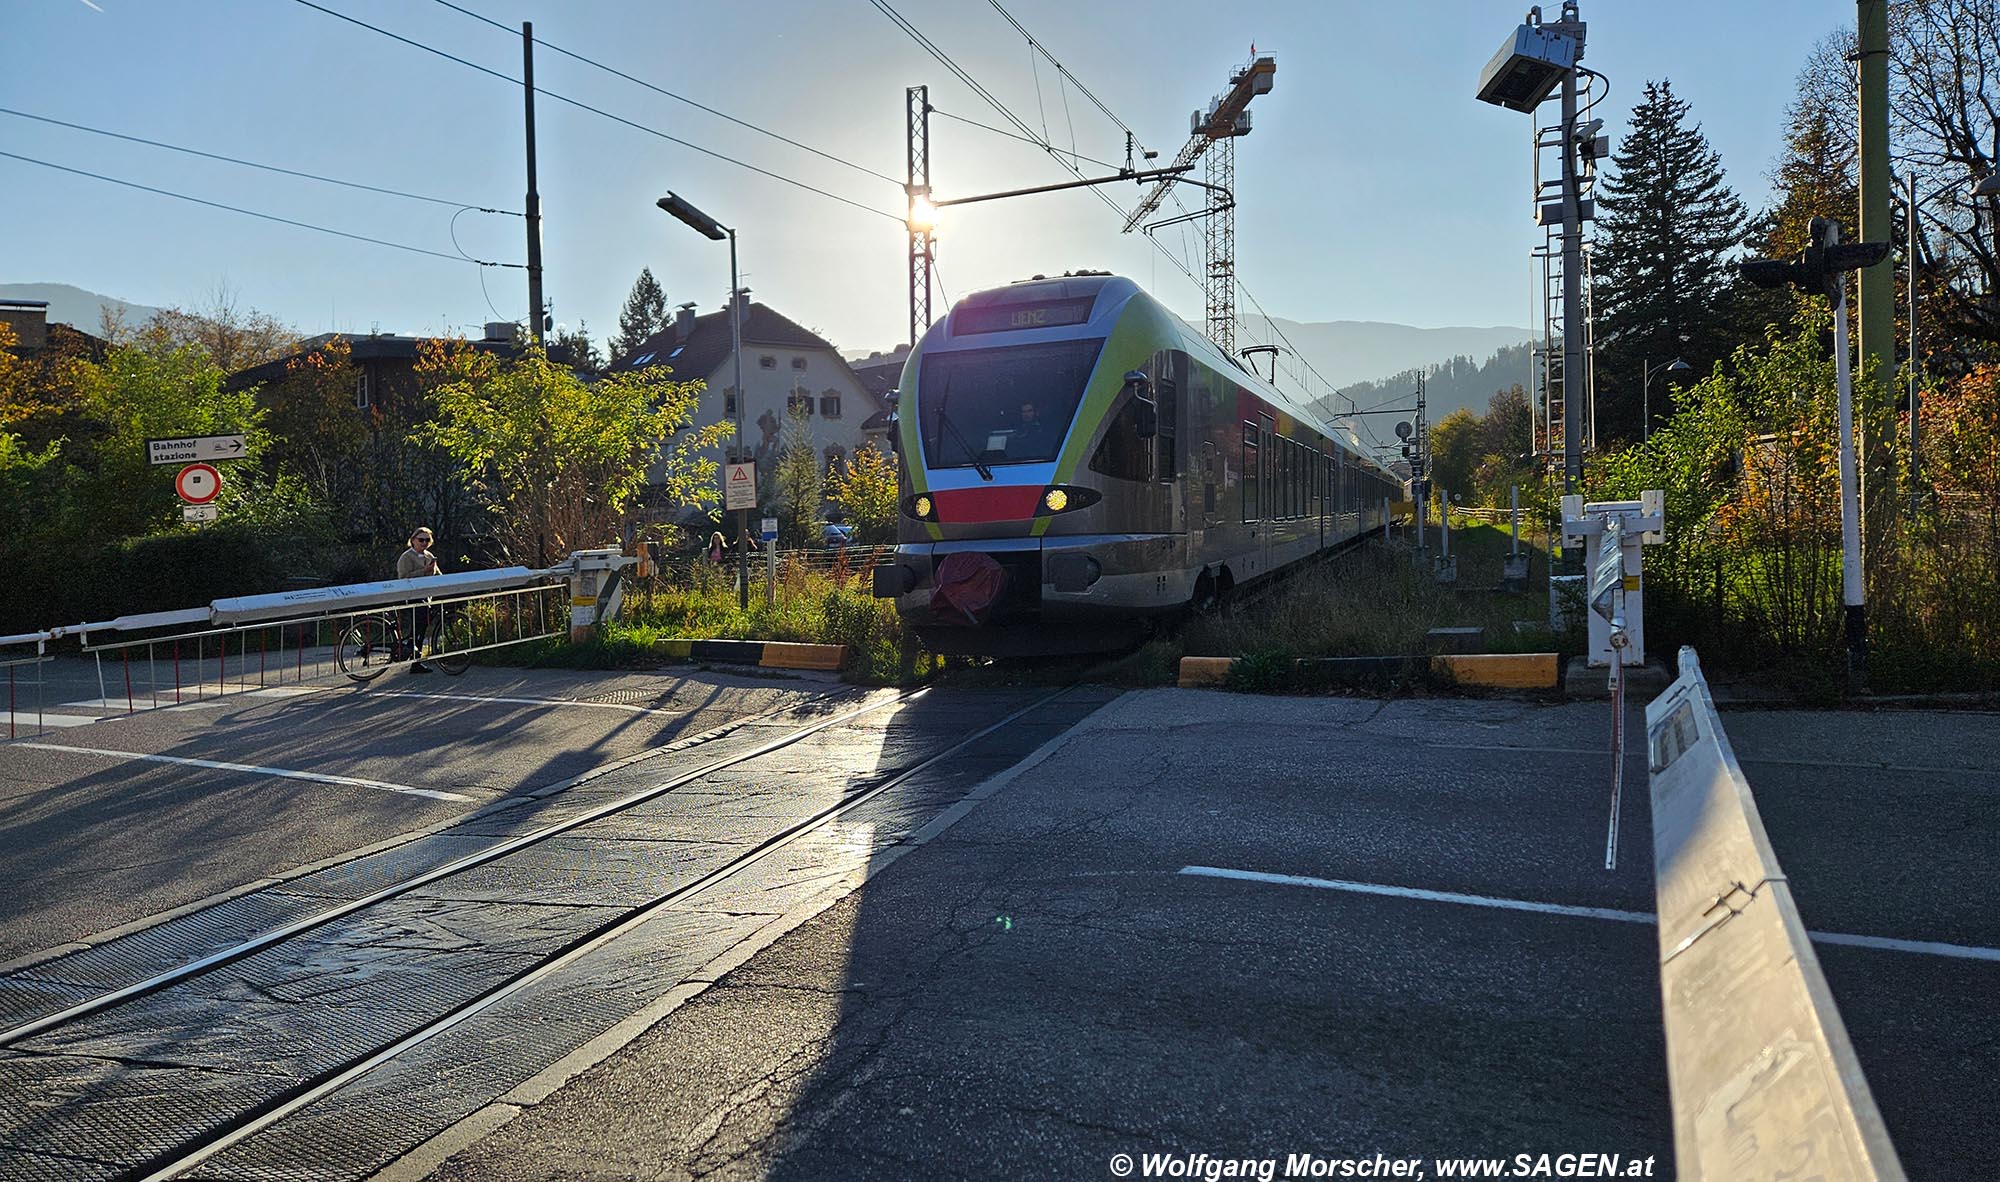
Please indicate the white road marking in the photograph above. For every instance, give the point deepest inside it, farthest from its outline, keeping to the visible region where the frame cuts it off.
(1879, 943)
(283, 773)
(629, 709)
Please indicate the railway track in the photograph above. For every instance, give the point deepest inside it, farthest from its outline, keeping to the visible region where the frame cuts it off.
(505, 941)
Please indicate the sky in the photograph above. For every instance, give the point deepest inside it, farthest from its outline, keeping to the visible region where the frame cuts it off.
(1372, 187)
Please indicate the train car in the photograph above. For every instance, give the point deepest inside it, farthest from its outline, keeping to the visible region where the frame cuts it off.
(1076, 462)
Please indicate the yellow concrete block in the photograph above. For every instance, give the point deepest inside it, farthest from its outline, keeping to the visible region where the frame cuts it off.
(1500, 670)
(1196, 671)
(778, 655)
(673, 647)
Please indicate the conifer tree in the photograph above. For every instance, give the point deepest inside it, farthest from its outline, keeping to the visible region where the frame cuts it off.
(645, 314)
(1667, 227)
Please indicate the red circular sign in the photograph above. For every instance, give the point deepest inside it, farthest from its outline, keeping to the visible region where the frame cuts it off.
(198, 484)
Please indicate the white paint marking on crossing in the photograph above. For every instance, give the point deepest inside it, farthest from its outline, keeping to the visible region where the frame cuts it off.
(283, 773)
(1879, 943)
(627, 708)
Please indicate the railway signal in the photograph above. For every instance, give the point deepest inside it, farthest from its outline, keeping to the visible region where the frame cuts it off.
(1822, 268)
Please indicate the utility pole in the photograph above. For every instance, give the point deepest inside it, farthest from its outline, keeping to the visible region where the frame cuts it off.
(534, 197)
(922, 234)
(1878, 283)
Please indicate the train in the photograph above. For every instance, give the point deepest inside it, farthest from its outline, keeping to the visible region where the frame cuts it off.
(1077, 463)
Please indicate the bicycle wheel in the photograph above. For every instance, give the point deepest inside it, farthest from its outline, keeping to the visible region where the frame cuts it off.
(366, 649)
(450, 638)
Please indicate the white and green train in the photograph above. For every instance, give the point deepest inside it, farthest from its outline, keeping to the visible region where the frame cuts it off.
(1076, 461)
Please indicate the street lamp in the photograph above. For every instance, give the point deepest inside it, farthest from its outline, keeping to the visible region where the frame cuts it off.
(1646, 388)
(708, 227)
(1990, 187)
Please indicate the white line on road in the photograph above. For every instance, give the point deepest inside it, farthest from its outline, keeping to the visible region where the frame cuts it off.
(627, 708)
(1879, 943)
(283, 773)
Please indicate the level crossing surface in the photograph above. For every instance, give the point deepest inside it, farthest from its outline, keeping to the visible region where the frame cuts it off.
(1018, 932)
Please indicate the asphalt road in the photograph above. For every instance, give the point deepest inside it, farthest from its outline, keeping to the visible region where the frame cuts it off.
(1195, 923)
(1044, 986)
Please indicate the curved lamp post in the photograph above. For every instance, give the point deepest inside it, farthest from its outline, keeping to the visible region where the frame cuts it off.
(1646, 389)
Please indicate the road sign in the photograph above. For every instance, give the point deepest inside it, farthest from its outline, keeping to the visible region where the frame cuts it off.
(195, 447)
(739, 487)
(198, 484)
(770, 529)
(198, 513)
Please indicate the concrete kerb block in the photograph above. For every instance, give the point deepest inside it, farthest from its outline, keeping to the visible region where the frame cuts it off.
(1534, 671)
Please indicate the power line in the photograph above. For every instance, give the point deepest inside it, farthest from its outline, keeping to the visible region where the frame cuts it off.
(710, 152)
(1063, 71)
(993, 101)
(678, 97)
(1024, 139)
(253, 164)
(269, 217)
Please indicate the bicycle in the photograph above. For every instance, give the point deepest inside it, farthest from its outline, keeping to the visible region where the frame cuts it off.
(373, 644)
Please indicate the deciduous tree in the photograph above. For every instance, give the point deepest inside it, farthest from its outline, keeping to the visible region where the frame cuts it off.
(557, 460)
(867, 491)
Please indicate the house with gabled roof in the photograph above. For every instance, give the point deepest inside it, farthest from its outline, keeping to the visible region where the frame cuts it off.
(785, 365)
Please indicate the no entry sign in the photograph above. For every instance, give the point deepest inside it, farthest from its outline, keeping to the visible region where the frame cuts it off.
(198, 484)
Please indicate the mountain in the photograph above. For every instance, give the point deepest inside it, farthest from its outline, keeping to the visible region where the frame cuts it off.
(1349, 351)
(1461, 381)
(76, 307)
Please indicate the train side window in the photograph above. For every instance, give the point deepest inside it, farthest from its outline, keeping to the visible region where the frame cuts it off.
(1123, 455)
(1252, 474)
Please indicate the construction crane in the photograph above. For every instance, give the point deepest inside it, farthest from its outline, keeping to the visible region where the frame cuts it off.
(1213, 134)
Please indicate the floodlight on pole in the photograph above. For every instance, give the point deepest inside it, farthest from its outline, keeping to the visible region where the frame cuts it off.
(923, 215)
(709, 228)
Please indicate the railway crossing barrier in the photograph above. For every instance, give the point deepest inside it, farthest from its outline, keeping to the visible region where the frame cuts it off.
(288, 639)
(1764, 1081)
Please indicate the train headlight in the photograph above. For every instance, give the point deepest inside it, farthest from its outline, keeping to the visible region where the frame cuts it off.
(1061, 498)
(921, 507)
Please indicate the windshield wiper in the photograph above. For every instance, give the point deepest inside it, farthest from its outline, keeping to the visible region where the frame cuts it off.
(944, 420)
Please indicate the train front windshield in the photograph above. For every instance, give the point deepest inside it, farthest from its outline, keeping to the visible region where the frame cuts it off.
(1010, 405)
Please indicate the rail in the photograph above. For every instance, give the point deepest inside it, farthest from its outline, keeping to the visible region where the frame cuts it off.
(1765, 1083)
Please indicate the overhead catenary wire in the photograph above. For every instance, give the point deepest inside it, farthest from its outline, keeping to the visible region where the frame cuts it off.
(269, 217)
(311, 176)
(660, 90)
(602, 113)
(1063, 72)
(1024, 139)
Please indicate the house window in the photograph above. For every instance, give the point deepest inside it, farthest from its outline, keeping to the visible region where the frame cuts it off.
(729, 401)
(798, 363)
(361, 390)
(798, 399)
(829, 404)
(836, 460)
(767, 361)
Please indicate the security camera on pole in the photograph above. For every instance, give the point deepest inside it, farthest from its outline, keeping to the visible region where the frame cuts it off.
(1822, 267)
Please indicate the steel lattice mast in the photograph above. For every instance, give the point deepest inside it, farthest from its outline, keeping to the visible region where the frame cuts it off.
(1213, 134)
